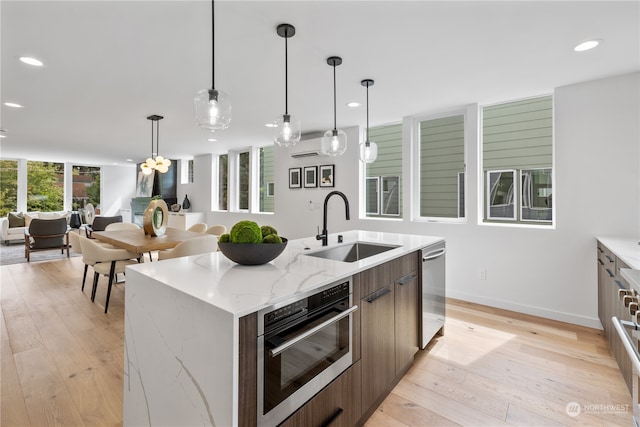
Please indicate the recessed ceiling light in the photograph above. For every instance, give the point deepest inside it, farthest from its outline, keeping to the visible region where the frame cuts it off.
(31, 61)
(212, 140)
(589, 44)
(353, 104)
(271, 125)
(3, 136)
(13, 105)
(129, 160)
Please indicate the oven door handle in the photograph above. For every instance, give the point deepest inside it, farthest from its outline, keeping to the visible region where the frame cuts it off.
(620, 325)
(276, 351)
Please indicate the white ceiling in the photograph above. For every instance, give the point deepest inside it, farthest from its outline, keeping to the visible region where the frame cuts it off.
(110, 64)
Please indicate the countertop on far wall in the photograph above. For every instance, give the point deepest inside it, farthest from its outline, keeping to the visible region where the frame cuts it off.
(631, 276)
(625, 248)
(240, 290)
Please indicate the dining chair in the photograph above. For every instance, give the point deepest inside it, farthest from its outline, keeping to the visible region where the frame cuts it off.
(76, 247)
(115, 226)
(199, 227)
(216, 230)
(195, 246)
(101, 222)
(106, 262)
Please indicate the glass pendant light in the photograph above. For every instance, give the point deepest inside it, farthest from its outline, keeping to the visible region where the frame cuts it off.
(286, 127)
(213, 107)
(159, 163)
(334, 141)
(368, 148)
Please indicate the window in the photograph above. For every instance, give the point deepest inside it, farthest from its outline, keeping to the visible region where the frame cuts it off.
(383, 182)
(266, 177)
(517, 157)
(85, 186)
(461, 210)
(243, 180)
(390, 203)
(45, 186)
(536, 194)
(223, 173)
(500, 187)
(8, 186)
(373, 195)
(441, 156)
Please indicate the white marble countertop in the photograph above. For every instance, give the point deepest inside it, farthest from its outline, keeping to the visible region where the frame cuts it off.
(241, 290)
(625, 248)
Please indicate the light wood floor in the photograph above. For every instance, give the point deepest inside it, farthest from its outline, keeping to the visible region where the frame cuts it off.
(62, 363)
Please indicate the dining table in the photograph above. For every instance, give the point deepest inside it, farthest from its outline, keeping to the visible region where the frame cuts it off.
(139, 242)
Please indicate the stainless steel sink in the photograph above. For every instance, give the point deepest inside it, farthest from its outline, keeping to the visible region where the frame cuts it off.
(352, 252)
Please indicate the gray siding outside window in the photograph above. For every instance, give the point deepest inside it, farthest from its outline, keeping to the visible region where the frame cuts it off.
(388, 164)
(266, 178)
(441, 163)
(519, 135)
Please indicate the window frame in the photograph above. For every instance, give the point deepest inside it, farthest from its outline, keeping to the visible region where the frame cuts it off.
(482, 214)
(375, 179)
(522, 198)
(514, 195)
(381, 195)
(416, 177)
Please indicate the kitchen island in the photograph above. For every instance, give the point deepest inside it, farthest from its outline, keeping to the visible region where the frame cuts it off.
(182, 323)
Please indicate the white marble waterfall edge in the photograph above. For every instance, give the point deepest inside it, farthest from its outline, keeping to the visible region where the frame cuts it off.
(174, 347)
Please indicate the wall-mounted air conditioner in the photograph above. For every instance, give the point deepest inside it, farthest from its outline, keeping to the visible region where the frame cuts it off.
(306, 148)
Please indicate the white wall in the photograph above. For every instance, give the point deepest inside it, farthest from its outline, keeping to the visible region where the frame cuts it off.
(545, 272)
(118, 186)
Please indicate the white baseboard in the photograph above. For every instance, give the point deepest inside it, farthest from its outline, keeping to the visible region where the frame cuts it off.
(590, 322)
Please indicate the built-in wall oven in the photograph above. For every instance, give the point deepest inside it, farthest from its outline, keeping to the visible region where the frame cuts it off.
(303, 345)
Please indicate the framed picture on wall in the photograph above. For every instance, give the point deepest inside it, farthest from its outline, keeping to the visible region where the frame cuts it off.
(310, 176)
(327, 176)
(294, 178)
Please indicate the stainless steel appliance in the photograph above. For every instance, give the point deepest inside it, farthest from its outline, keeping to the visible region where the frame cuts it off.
(433, 291)
(630, 343)
(303, 345)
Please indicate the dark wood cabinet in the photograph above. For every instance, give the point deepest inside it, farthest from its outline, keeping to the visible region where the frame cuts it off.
(385, 341)
(337, 405)
(389, 325)
(406, 320)
(378, 343)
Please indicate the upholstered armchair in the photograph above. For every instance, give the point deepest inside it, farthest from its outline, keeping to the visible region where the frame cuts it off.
(46, 234)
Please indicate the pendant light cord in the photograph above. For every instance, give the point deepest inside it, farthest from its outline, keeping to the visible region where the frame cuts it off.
(367, 114)
(152, 139)
(334, 97)
(213, 47)
(157, 138)
(286, 74)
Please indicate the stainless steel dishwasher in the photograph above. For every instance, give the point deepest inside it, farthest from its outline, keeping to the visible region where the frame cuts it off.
(433, 291)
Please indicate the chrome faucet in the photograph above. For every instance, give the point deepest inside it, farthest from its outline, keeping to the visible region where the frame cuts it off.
(325, 233)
